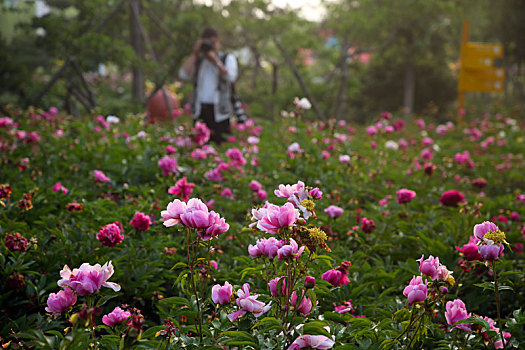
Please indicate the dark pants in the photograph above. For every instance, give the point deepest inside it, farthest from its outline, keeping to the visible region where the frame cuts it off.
(217, 129)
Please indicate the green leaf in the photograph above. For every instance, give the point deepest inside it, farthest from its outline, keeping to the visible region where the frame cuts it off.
(175, 301)
(316, 328)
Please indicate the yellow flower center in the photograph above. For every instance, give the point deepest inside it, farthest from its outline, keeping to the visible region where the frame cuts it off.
(451, 280)
(497, 237)
(308, 204)
(317, 235)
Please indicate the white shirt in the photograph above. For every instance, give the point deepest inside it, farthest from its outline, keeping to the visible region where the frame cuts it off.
(208, 84)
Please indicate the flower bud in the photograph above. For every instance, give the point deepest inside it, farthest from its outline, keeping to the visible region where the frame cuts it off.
(309, 282)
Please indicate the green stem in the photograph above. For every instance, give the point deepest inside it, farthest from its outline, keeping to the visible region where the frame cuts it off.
(415, 332)
(192, 277)
(496, 292)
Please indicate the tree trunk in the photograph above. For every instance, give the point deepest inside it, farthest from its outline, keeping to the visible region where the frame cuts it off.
(410, 87)
(340, 102)
(302, 84)
(138, 85)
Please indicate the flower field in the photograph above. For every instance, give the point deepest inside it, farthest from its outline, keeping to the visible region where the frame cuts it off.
(402, 233)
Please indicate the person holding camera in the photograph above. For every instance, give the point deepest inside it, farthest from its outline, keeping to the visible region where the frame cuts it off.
(212, 73)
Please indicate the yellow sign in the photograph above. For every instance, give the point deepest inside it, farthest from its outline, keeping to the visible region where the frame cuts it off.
(489, 73)
(481, 85)
(477, 71)
(482, 50)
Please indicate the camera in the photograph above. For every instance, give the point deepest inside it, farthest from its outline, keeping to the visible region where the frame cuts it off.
(207, 46)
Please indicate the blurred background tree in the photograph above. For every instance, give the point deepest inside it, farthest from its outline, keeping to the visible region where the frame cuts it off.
(362, 57)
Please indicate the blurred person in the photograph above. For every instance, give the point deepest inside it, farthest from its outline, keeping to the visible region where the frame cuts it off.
(212, 73)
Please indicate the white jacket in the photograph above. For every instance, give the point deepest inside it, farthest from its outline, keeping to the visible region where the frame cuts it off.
(208, 83)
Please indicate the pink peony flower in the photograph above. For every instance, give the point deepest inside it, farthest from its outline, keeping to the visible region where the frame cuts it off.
(312, 341)
(286, 191)
(276, 218)
(201, 134)
(484, 227)
(405, 196)
(470, 250)
(226, 192)
(305, 305)
(88, 279)
(416, 291)
(221, 294)
(173, 212)
(345, 307)
(248, 303)
(168, 165)
(170, 149)
(429, 267)
(100, 176)
(451, 198)
(344, 159)
(368, 225)
(255, 186)
(456, 311)
(371, 130)
(115, 317)
(58, 302)
(265, 246)
(309, 282)
(316, 193)
(182, 188)
(111, 234)
(335, 277)
(216, 226)
(273, 286)
(334, 211)
(290, 250)
(140, 221)
(262, 195)
(58, 187)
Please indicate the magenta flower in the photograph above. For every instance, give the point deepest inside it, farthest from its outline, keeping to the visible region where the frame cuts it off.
(88, 279)
(305, 305)
(345, 307)
(276, 218)
(273, 286)
(201, 134)
(405, 196)
(227, 192)
(265, 246)
(58, 187)
(221, 294)
(470, 250)
(100, 176)
(216, 226)
(451, 198)
(429, 267)
(182, 188)
(173, 212)
(117, 316)
(285, 191)
(335, 277)
(290, 250)
(248, 303)
(316, 193)
(309, 282)
(456, 311)
(168, 165)
(416, 290)
(368, 225)
(58, 302)
(312, 341)
(111, 234)
(140, 221)
(255, 185)
(484, 227)
(262, 195)
(15, 242)
(195, 217)
(334, 211)
(236, 156)
(371, 130)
